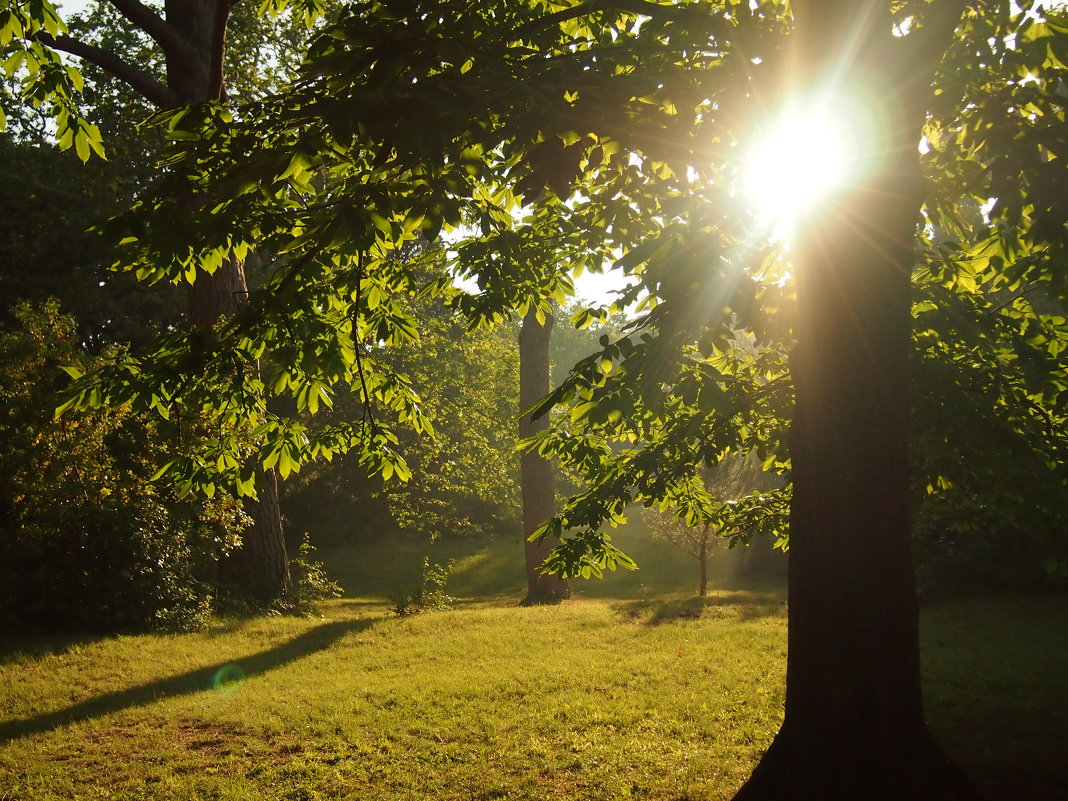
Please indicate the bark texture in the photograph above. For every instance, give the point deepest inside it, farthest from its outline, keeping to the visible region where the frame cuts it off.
(854, 726)
(536, 476)
(260, 567)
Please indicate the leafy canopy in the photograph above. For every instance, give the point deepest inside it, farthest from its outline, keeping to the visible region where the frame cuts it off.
(546, 138)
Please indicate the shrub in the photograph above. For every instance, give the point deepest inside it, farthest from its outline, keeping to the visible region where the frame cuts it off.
(311, 585)
(86, 540)
(432, 596)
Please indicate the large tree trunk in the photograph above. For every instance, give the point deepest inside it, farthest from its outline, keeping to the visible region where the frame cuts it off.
(536, 476)
(259, 568)
(854, 726)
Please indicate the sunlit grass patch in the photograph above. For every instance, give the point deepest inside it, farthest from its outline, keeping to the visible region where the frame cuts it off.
(661, 697)
(493, 703)
(493, 571)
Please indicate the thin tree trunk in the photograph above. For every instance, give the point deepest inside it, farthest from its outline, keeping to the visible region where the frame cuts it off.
(702, 554)
(536, 476)
(854, 725)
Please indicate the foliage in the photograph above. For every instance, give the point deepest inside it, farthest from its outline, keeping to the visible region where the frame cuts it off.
(576, 136)
(583, 137)
(361, 275)
(431, 596)
(45, 251)
(642, 431)
(373, 283)
(36, 75)
(988, 428)
(88, 542)
(576, 335)
(53, 199)
(265, 46)
(468, 383)
(734, 481)
(311, 584)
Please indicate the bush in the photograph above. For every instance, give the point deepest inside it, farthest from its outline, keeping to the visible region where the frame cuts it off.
(965, 544)
(432, 596)
(87, 542)
(311, 585)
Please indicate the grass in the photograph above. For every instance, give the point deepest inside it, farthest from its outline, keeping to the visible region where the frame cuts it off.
(584, 700)
(644, 695)
(996, 691)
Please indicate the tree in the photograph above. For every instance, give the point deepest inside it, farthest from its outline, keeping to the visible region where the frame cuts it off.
(190, 38)
(53, 199)
(50, 201)
(467, 385)
(854, 712)
(467, 468)
(536, 476)
(728, 482)
(619, 124)
(694, 540)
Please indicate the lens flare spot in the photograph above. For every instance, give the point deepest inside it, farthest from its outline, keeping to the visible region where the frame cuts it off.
(228, 679)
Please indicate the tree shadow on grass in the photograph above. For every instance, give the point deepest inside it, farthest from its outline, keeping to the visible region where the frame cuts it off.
(19, 646)
(739, 605)
(221, 676)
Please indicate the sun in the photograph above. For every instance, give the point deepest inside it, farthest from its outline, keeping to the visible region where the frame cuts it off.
(800, 158)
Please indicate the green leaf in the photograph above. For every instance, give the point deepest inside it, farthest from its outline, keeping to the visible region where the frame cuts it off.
(162, 471)
(81, 145)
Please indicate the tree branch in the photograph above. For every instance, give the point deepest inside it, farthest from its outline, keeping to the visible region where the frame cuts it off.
(1011, 300)
(357, 347)
(57, 191)
(154, 25)
(218, 55)
(645, 7)
(151, 89)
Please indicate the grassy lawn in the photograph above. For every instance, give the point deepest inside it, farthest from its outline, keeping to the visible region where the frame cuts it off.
(646, 695)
